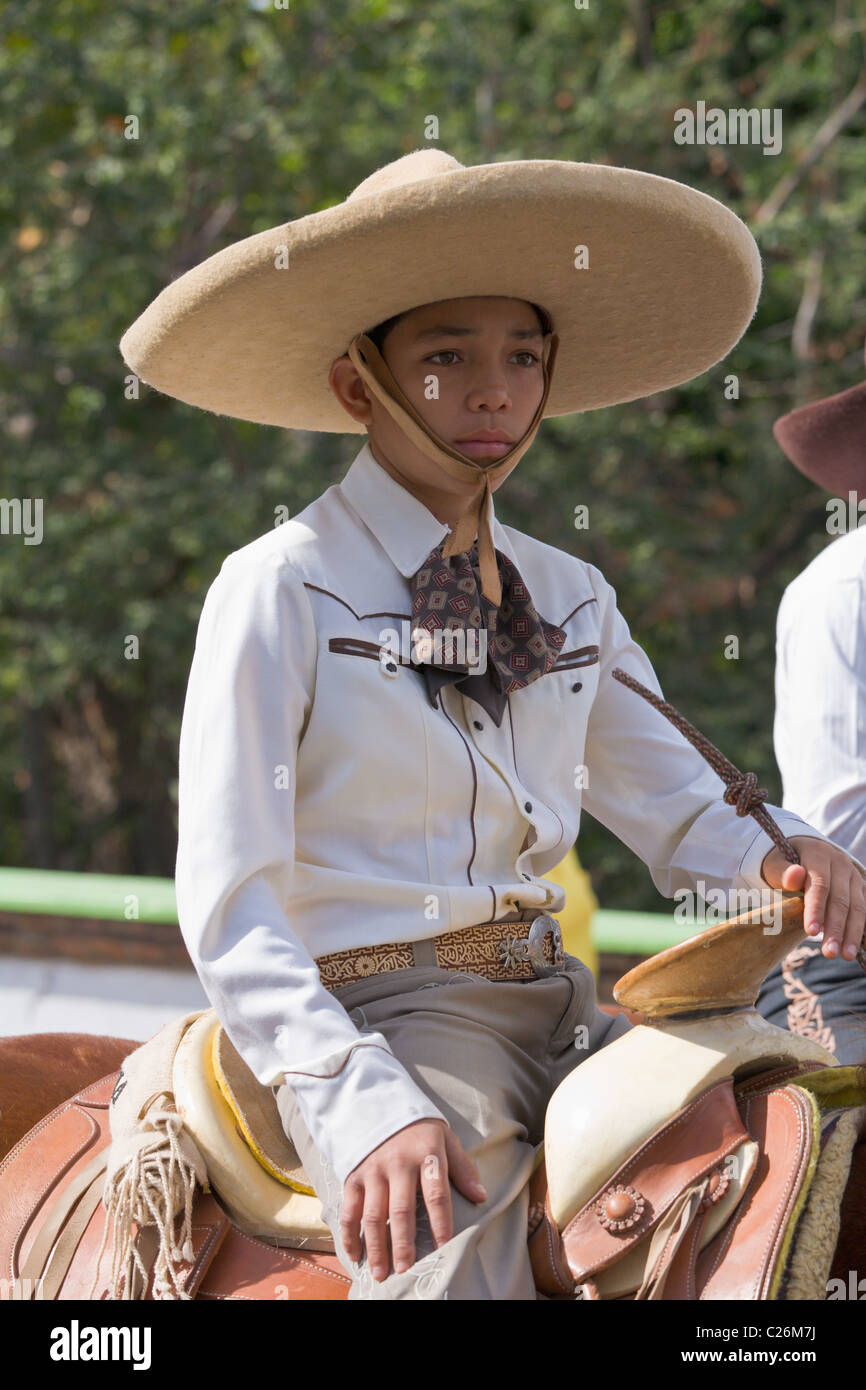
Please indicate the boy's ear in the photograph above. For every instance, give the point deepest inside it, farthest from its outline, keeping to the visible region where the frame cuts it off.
(349, 389)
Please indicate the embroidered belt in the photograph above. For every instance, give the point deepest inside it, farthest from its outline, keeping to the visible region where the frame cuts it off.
(496, 950)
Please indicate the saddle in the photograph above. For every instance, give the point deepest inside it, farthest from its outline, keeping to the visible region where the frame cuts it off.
(702, 1155)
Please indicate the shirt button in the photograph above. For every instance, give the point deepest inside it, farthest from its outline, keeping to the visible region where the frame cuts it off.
(578, 685)
(527, 805)
(478, 724)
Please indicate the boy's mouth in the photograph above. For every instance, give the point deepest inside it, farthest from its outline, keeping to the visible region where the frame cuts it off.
(485, 444)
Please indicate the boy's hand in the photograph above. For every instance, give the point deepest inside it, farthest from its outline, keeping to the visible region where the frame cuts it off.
(835, 892)
(385, 1186)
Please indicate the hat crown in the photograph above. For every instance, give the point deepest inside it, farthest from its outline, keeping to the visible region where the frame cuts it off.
(411, 168)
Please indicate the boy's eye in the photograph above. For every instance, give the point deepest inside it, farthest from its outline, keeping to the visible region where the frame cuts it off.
(451, 352)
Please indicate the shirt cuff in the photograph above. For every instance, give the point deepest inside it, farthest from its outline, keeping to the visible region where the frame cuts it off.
(351, 1113)
(749, 874)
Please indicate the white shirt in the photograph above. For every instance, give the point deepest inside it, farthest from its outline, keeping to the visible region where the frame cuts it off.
(324, 803)
(819, 731)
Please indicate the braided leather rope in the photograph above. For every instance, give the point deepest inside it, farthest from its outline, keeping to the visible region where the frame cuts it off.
(742, 790)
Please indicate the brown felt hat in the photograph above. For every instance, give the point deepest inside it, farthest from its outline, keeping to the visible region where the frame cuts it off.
(670, 281)
(827, 441)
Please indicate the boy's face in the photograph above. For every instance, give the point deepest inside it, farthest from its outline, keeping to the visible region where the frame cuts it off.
(469, 366)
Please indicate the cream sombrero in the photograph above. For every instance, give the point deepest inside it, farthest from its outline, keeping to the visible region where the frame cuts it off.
(672, 281)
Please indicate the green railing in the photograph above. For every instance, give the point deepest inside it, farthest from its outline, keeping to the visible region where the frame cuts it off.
(120, 897)
(114, 897)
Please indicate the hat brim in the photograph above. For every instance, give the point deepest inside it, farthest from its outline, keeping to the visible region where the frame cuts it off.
(672, 282)
(826, 440)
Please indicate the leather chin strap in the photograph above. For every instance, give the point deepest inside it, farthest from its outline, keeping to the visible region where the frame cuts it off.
(477, 518)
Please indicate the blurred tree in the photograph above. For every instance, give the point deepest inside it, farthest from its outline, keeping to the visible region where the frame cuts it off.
(252, 116)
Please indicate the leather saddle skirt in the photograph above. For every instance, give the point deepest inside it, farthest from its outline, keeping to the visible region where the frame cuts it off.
(37, 1216)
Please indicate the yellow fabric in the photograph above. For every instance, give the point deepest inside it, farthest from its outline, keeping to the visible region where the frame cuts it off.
(258, 1203)
(835, 1088)
(575, 919)
(242, 1125)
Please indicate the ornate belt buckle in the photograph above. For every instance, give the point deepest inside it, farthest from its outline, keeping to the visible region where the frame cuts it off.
(543, 926)
(513, 951)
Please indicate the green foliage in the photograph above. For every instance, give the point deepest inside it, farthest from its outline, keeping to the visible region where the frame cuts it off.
(251, 116)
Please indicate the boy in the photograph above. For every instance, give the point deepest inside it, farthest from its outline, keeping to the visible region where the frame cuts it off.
(365, 822)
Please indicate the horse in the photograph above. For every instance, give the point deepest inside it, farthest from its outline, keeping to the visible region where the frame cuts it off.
(698, 1155)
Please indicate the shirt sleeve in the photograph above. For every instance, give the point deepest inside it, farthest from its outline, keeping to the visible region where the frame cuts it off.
(654, 790)
(819, 732)
(251, 687)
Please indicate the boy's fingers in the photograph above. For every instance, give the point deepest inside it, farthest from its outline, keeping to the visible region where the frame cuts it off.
(350, 1218)
(375, 1226)
(403, 1197)
(856, 919)
(463, 1172)
(437, 1196)
(815, 902)
(836, 909)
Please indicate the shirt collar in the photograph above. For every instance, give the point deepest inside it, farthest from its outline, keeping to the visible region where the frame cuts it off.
(406, 530)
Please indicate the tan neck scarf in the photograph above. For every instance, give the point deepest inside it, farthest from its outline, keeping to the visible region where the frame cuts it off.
(476, 520)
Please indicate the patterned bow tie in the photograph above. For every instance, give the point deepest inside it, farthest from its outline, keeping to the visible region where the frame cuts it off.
(519, 646)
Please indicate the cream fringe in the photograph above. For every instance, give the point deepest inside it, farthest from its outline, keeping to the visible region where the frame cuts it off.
(151, 1190)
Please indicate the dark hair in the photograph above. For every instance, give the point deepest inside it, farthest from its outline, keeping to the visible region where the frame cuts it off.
(381, 331)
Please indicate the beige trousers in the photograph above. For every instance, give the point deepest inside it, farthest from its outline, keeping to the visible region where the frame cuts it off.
(490, 1055)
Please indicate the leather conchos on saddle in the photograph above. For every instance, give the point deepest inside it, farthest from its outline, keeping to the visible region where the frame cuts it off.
(678, 1221)
(716, 1146)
